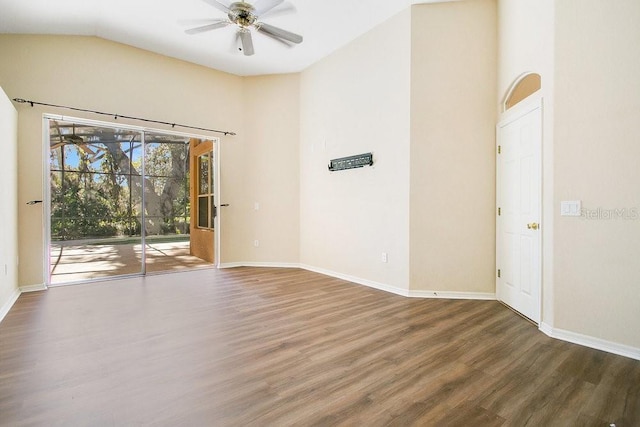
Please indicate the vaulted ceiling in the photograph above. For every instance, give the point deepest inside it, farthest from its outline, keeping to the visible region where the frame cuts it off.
(159, 26)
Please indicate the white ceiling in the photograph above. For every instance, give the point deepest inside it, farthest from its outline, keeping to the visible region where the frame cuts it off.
(158, 26)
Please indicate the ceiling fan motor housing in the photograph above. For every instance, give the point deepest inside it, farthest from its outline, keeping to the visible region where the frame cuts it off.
(241, 13)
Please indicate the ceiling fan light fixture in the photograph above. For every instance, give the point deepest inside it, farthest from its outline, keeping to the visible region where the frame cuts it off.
(241, 14)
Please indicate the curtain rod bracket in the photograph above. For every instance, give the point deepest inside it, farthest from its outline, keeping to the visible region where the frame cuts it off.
(23, 101)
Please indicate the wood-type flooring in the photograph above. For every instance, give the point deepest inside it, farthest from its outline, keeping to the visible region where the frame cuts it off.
(281, 347)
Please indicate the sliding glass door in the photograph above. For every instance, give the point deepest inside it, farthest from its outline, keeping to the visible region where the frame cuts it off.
(119, 201)
(167, 203)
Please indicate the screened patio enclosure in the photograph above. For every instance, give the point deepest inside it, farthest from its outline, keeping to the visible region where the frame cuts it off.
(119, 201)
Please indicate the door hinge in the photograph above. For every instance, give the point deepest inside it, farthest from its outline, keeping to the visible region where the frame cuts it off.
(499, 211)
(499, 273)
(499, 149)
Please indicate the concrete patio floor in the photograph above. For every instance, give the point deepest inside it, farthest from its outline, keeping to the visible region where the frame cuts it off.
(81, 261)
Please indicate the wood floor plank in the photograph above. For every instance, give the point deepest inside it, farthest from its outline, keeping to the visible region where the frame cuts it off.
(278, 347)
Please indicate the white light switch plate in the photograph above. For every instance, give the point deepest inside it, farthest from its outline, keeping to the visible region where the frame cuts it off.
(571, 208)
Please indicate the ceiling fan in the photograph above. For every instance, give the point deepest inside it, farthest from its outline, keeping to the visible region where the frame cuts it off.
(246, 17)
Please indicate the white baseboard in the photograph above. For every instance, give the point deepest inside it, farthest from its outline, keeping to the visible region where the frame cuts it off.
(591, 342)
(402, 291)
(485, 296)
(230, 265)
(4, 310)
(258, 264)
(358, 280)
(369, 283)
(33, 288)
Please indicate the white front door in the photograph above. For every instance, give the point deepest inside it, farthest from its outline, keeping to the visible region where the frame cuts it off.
(519, 185)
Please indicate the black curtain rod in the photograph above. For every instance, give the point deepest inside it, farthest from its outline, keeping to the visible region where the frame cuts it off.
(116, 116)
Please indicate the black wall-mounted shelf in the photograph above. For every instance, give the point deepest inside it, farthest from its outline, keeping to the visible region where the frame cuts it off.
(351, 162)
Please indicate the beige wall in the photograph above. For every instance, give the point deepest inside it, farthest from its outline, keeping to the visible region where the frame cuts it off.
(453, 86)
(526, 44)
(355, 101)
(597, 154)
(271, 113)
(96, 74)
(8, 202)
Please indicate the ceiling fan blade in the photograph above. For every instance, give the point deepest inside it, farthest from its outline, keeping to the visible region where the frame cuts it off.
(221, 7)
(279, 32)
(278, 39)
(263, 6)
(284, 10)
(198, 21)
(208, 27)
(247, 42)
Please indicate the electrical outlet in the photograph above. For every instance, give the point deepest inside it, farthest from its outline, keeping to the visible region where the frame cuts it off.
(256, 243)
(256, 206)
(384, 257)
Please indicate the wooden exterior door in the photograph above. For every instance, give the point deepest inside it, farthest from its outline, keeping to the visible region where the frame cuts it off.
(203, 208)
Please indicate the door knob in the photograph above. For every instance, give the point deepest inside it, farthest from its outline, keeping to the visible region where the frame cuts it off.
(533, 226)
